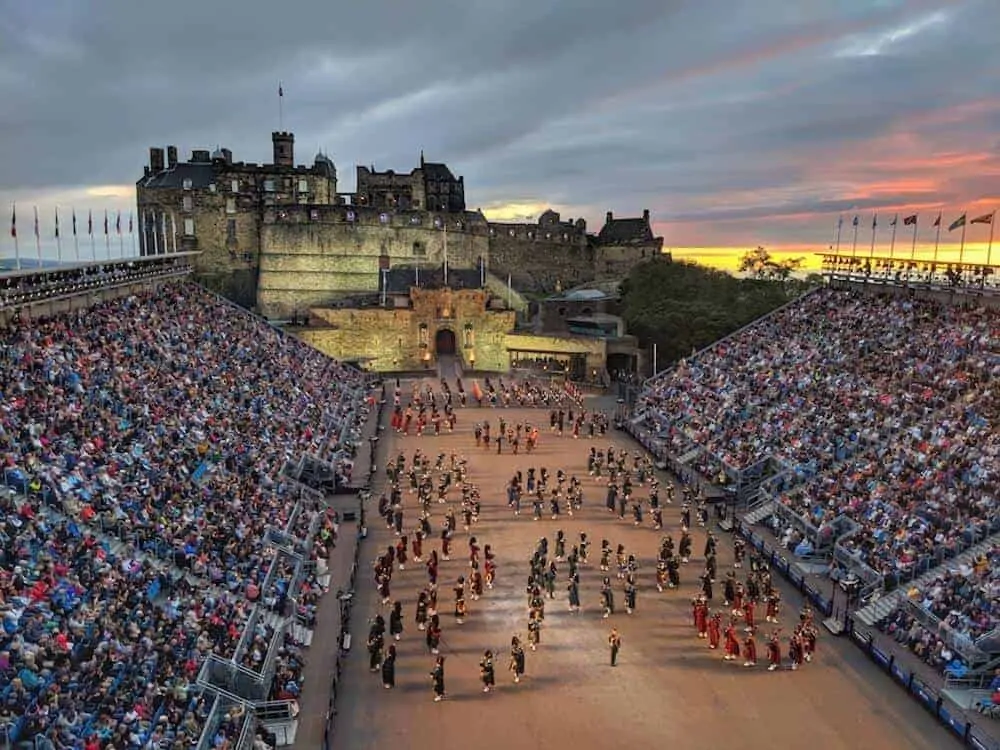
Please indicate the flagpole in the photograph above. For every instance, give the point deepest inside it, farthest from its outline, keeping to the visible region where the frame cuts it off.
(871, 252)
(281, 108)
(913, 247)
(38, 239)
(840, 226)
(131, 231)
(121, 237)
(937, 239)
(989, 245)
(13, 231)
(961, 247)
(892, 242)
(107, 236)
(76, 239)
(854, 245)
(58, 238)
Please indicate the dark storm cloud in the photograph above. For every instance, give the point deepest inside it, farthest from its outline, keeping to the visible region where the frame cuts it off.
(703, 111)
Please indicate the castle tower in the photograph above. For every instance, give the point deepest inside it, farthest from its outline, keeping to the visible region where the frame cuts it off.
(284, 148)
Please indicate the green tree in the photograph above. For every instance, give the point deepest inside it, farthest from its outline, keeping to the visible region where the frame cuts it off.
(760, 264)
(683, 306)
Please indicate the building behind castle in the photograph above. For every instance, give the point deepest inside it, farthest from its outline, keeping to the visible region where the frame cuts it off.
(282, 239)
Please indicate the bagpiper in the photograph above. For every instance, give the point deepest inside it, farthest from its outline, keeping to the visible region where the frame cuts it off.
(516, 658)
(487, 672)
(437, 677)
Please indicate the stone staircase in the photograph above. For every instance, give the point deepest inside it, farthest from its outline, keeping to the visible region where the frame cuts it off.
(884, 605)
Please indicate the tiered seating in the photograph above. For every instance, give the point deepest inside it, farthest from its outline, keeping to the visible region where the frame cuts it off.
(921, 497)
(805, 384)
(161, 421)
(956, 609)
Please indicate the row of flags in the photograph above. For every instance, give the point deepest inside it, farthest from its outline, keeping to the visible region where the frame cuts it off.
(911, 220)
(90, 223)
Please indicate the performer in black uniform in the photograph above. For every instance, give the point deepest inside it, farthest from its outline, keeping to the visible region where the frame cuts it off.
(516, 658)
(437, 677)
(615, 644)
(486, 671)
(389, 668)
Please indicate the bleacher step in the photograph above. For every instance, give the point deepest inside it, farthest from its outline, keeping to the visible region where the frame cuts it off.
(284, 731)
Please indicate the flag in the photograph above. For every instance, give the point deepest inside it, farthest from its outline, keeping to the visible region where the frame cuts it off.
(37, 235)
(895, 220)
(937, 221)
(90, 222)
(74, 222)
(57, 222)
(875, 220)
(105, 222)
(984, 219)
(281, 90)
(959, 222)
(130, 222)
(910, 220)
(855, 221)
(477, 392)
(840, 221)
(13, 220)
(118, 223)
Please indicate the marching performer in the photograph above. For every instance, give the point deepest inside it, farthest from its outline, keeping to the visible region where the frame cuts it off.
(389, 668)
(750, 650)
(614, 645)
(437, 677)
(516, 658)
(486, 671)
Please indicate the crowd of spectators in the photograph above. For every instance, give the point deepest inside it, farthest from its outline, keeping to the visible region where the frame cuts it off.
(805, 384)
(922, 496)
(964, 602)
(143, 440)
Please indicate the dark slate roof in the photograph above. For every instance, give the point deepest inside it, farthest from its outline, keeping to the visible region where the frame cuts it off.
(437, 171)
(399, 279)
(201, 176)
(626, 230)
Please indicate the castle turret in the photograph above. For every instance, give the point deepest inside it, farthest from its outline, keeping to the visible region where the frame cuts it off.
(284, 148)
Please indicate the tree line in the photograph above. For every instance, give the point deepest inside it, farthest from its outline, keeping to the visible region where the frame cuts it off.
(683, 307)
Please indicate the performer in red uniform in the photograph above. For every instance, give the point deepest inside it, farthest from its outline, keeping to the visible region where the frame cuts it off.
(715, 630)
(701, 618)
(774, 652)
(773, 606)
(732, 642)
(750, 651)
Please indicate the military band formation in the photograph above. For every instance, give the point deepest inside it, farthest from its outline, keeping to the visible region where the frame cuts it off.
(417, 507)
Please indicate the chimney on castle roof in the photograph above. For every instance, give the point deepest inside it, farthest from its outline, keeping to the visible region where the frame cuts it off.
(171, 157)
(645, 215)
(609, 218)
(284, 148)
(155, 160)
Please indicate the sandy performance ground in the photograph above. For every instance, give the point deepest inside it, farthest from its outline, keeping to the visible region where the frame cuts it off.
(668, 687)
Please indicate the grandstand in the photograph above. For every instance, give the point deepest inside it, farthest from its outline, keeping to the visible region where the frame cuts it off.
(857, 429)
(161, 551)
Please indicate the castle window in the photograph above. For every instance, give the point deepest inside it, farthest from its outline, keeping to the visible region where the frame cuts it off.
(350, 216)
(212, 188)
(422, 334)
(510, 232)
(189, 227)
(415, 220)
(548, 235)
(468, 336)
(459, 224)
(235, 187)
(562, 312)
(230, 205)
(493, 232)
(419, 249)
(384, 218)
(186, 184)
(565, 236)
(268, 186)
(230, 230)
(188, 203)
(303, 186)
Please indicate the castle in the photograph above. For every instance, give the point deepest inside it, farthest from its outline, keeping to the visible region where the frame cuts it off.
(281, 239)
(399, 273)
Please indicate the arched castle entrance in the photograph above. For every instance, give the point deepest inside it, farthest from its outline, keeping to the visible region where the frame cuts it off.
(444, 342)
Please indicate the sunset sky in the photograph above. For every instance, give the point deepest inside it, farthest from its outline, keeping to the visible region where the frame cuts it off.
(736, 124)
